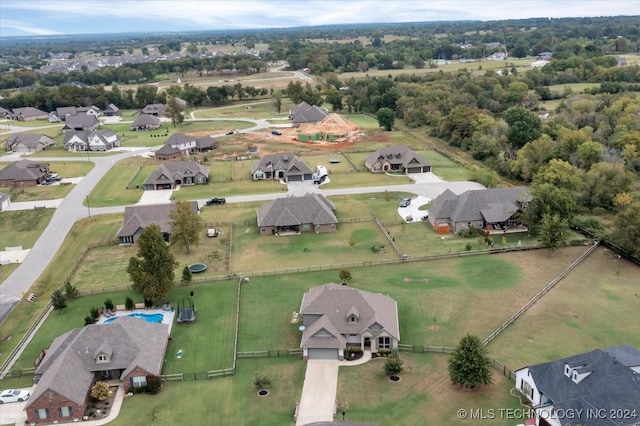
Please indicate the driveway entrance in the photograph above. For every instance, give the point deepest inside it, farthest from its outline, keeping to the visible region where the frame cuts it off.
(318, 400)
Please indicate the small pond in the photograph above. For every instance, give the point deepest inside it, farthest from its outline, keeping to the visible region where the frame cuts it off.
(196, 268)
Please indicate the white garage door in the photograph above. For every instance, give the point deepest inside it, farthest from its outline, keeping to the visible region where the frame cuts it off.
(315, 353)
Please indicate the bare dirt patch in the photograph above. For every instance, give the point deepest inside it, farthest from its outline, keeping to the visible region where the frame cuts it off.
(434, 328)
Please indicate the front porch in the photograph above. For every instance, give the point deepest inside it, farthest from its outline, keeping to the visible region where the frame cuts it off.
(498, 229)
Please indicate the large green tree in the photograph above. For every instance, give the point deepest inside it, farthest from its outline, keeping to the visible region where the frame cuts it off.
(553, 231)
(469, 364)
(174, 111)
(185, 226)
(386, 118)
(524, 126)
(151, 270)
(627, 232)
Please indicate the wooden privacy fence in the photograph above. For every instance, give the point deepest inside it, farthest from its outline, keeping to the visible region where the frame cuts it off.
(273, 353)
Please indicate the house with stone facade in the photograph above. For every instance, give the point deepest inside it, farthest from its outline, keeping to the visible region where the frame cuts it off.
(336, 317)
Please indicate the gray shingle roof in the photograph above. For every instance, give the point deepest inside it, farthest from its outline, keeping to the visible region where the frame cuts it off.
(311, 208)
(137, 217)
(612, 384)
(206, 142)
(398, 154)
(27, 112)
(30, 140)
(491, 205)
(305, 113)
(81, 121)
(70, 363)
(156, 109)
(23, 170)
(287, 161)
(146, 120)
(335, 302)
(169, 171)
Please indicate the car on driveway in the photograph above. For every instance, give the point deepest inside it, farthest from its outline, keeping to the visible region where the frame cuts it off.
(216, 200)
(405, 202)
(14, 395)
(230, 132)
(276, 132)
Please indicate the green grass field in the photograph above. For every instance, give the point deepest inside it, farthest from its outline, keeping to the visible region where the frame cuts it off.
(23, 227)
(251, 109)
(112, 188)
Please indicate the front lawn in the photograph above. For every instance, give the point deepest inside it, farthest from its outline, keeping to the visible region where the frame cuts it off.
(112, 188)
(23, 227)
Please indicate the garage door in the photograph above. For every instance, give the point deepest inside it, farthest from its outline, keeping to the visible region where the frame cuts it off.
(414, 170)
(294, 178)
(323, 353)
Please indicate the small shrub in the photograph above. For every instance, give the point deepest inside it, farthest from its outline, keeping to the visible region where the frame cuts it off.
(100, 391)
(261, 383)
(187, 276)
(95, 313)
(88, 320)
(154, 384)
(393, 366)
(467, 247)
(108, 304)
(148, 303)
(128, 304)
(384, 352)
(70, 291)
(345, 275)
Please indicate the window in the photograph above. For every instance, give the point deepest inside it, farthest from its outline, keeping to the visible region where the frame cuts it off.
(102, 358)
(42, 413)
(138, 381)
(384, 343)
(65, 411)
(353, 319)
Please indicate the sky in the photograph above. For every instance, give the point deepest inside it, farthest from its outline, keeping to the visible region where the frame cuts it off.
(45, 17)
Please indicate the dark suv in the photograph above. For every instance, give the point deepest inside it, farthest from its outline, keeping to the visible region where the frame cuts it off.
(216, 200)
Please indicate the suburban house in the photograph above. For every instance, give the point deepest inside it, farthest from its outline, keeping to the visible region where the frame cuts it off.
(157, 110)
(396, 159)
(5, 200)
(172, 174)
(495, 210)
(179, 145)
(127, 350)
(112, 111)
(590, 386)
(61, 113)
(145, 122)
(136, 218)
(28, 114)
(29, 142)
(305, 113)
(24, 173)
(294, 215)
(206, 143)
(286, 166)
(336, 317)
(96, 140)
(80, 122)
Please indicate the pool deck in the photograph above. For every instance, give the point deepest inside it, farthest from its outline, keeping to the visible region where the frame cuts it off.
(167, 315)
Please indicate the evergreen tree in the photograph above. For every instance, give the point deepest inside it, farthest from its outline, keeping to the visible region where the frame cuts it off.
(151, 270)
(393, 365)
(58, 300)
(469, 364)
(186, 275)
(552, 231)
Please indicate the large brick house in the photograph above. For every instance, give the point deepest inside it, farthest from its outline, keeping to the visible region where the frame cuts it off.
(24, 173)
(128, 350)
(29, 142)
(293, 215)
(337, 316)
(285, 165)
(172, 174)
(396, 159)
(136, 218)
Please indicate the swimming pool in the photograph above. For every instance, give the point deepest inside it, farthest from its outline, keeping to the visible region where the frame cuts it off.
(157, 318)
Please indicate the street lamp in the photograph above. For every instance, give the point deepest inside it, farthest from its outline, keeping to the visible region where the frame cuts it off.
(88, 206)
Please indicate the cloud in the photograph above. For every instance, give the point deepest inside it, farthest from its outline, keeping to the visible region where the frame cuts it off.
(180, 15)
(26, 28)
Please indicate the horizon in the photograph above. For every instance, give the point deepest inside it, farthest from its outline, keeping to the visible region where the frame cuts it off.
(53, 19)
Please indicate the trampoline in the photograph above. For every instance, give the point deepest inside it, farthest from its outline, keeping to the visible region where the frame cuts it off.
(196, 268)
(186, 311)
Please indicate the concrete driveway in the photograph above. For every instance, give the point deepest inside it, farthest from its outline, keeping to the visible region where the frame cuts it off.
(412, 210)
(13, 413)
(159, 196)
(318, 400)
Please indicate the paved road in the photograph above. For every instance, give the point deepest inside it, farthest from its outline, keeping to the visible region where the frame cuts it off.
(72, 209)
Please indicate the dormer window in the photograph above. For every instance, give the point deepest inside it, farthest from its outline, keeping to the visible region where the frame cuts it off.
(567, 370)
(353, 315)
(353, 319)
(102, 358)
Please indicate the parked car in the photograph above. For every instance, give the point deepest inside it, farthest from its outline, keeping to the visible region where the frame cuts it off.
(14, 395)
(216, 200)
(230, 132)
(405, 202)
(276, 132)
